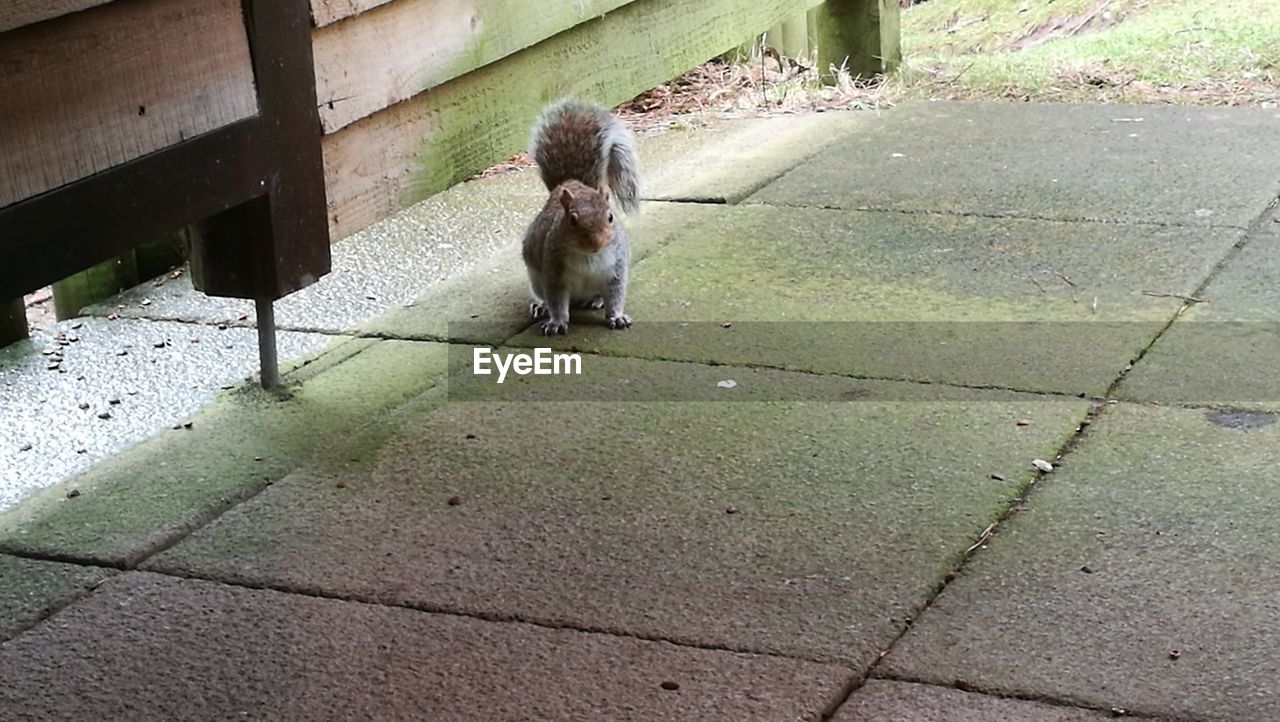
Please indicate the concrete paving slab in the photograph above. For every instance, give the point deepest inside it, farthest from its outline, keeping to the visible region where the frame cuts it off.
(30, 590)
(885, 701)
(149, 647)
(1221, 353)
(1153, 164)
(1141, 576)
(801, 528)
(491, 303)
(724, 160)
(921, 297)
(149, 495)
(85, 389)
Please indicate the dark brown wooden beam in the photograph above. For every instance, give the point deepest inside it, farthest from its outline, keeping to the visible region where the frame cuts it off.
(267, 250)
(54, 235)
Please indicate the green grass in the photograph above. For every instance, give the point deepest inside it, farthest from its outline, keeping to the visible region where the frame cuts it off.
(1216, 52)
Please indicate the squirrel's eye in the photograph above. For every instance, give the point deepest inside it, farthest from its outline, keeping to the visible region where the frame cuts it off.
(611, 218)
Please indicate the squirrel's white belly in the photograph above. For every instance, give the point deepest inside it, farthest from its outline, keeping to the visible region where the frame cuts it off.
(588, 275)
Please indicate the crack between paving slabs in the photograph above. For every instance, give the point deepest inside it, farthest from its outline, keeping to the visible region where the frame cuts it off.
(806, 372)
(85, 592)
(207, 324)
(1019, 501)
(734, 199)
(970, 688)
(131, 562)
(999, 216)
(80, 593)
(428, 608)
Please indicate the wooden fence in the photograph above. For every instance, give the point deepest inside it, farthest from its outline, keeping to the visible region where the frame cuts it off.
(278, 126)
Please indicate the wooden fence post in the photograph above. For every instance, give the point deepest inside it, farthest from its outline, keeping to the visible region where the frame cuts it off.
(862, 36)
(13, 322)
(792, 38)
(95, 284)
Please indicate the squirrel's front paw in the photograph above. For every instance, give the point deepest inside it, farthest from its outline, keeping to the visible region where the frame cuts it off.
(620, 321)
(553, 328)
(537, 310)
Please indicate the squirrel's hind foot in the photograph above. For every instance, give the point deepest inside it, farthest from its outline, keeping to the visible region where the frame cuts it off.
(593, 303)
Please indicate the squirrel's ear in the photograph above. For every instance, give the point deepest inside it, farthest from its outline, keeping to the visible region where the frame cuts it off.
(566, 198)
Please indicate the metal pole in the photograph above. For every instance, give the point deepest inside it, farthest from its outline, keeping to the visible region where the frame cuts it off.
(267, 343)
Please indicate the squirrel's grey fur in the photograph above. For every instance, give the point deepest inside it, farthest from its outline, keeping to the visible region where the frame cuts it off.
(576, 140)
(574, 250)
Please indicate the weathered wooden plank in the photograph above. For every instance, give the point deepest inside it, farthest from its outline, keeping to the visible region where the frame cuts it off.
(17, 13)
(327, 12)
(861, 36)
(401, 155)
(92, 90)
(399, 50)
(54, 235)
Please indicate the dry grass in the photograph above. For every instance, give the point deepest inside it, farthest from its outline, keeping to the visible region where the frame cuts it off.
(764, 83)
(1191, 52)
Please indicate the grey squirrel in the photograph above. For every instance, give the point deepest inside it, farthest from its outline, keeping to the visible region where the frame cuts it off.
(574, 251)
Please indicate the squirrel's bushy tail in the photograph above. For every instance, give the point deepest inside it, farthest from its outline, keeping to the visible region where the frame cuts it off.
(575, 140)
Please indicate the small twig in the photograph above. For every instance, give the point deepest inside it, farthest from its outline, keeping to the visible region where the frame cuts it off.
(1038, 285)
(1095, 304)
(1075, 297)
(1188, 299)
(983, 538)
(960, 74)
(1063, 276)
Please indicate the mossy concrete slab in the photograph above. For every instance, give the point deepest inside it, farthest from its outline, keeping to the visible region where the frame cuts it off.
(1223, 352)
(1141, 575)
(147, 647)
(491, 302)
(724, 160)
(885, 701)
(1153, 164)
(1011, 303)
(30, 590)
(148, 496)
(806, 528)
(85, 389)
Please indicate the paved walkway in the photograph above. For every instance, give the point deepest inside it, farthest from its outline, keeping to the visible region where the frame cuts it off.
(803, 486)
